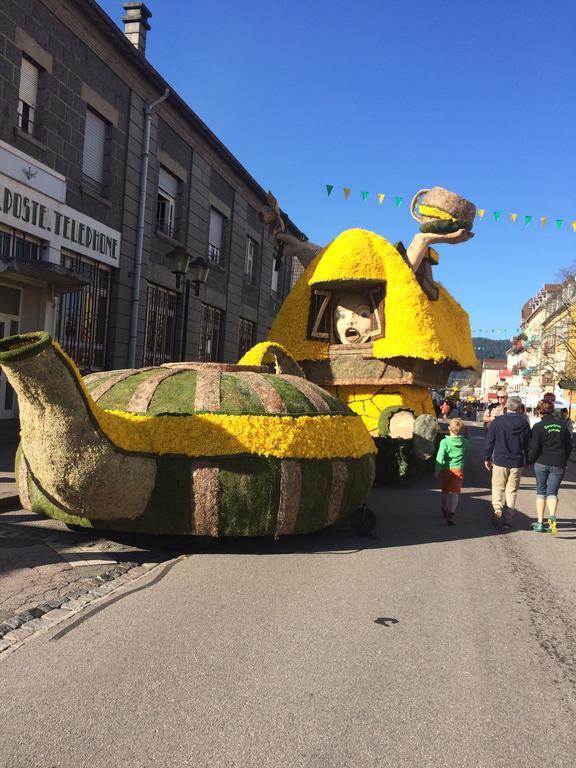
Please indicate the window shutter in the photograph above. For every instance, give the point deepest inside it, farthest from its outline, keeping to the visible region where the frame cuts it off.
(168, 183)
(28, 83)
(94, 143)
(216, 226)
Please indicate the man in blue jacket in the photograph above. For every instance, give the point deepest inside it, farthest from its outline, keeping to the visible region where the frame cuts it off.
(506, 454)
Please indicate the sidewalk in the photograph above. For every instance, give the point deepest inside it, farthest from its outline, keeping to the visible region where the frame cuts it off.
(9, 439)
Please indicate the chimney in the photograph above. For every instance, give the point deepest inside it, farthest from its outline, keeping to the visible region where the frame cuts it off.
(136, 24)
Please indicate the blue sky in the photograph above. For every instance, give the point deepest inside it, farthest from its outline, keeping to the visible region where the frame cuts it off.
(392, 96)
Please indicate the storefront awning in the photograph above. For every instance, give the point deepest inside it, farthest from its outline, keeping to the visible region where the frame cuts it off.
(60, 278)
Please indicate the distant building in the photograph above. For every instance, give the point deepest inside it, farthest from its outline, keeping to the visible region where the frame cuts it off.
(109, 182)
(494, 376)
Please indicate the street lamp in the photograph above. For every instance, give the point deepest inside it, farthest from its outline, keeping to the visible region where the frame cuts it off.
(181, 259)
(196, 270)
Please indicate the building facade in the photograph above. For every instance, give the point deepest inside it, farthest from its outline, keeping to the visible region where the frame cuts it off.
(109, 185)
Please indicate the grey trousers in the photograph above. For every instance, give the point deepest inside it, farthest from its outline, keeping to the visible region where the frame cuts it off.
(505, 482)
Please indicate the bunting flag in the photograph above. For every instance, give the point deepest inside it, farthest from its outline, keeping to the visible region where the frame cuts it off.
(480, 212)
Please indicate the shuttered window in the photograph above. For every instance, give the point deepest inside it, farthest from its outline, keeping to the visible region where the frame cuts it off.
(94, 148)
(166, 202)
(215, 236)
(28, 95)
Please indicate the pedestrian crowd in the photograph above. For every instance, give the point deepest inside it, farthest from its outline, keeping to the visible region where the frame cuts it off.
(511, 445)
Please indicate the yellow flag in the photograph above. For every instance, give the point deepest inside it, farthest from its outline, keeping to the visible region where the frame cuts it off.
(481, 212)
(543, 220)
(574, 226)
(381, 197)
(347, 191)
(513, 217)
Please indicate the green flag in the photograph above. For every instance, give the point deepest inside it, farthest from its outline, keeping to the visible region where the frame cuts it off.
(364, 195)
(496, 215)
(329, 188)
(559, 223)
(527, 220)
(398, 201)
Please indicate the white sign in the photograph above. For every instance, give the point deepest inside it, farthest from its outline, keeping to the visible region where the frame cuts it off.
(63, 227)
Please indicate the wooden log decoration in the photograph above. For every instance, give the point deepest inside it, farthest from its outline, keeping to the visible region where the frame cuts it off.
(190, 448)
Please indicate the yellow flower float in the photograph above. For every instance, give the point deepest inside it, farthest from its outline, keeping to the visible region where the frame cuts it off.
(368, 322)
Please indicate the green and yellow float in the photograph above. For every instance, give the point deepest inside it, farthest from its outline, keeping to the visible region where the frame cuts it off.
(185, 448)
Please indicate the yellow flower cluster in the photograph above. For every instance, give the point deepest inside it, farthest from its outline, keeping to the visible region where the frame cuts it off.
(369, 402)
(219, 434)
(414, 325)
(437, 213)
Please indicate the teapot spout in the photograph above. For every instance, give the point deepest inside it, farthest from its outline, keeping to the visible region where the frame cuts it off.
(68, 456)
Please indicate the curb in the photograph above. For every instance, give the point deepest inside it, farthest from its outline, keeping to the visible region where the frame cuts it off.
(15, 630)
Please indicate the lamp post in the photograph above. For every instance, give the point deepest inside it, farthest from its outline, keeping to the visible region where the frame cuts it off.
(196, 270)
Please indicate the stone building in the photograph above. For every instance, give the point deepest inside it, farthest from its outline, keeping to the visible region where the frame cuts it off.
(109, 185)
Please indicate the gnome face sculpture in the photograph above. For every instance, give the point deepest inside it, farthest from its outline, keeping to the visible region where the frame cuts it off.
(353, 322)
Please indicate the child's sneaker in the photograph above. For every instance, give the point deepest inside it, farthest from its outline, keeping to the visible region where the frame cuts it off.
(552, 525)
(539, 528)
(444, 512)
(450, 519)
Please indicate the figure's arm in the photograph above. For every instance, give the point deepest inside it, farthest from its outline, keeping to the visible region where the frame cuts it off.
(303, 250)
(418, 248)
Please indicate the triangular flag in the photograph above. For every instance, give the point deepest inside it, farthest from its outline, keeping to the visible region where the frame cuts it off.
(543, 220)
(381, 197)
(496, 215)
(527, 220)
(364, 195)
(398, 201)
(513, 217)
(329, 188)
(574, 226)
(347, 191)
(559, 223)
(481, 212)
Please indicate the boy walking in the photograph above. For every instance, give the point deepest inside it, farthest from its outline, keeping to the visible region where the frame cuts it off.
(450, 467)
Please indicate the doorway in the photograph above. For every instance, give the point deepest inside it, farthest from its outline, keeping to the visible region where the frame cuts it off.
(9, 326)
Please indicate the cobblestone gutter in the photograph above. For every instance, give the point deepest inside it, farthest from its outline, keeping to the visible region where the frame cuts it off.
(14, 630)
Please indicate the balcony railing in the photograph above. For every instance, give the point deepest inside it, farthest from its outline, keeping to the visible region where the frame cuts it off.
(214, 253)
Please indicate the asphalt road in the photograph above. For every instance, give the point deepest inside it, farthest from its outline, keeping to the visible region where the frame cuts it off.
(428, 647)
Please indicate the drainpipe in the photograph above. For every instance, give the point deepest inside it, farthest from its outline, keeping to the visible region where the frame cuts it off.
(148, 109)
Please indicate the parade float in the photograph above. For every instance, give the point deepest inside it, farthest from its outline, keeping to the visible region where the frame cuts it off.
(368, 322)
(187, 448)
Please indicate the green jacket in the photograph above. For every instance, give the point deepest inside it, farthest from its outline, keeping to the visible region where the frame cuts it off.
(451, 452)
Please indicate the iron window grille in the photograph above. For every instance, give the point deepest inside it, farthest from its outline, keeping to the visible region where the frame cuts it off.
(82, 315)
(211, 322)
(17, 246)
(160, 336)
(246, 336)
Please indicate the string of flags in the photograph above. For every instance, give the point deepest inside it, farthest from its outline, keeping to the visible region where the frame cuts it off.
(478, 331)
(481, 212)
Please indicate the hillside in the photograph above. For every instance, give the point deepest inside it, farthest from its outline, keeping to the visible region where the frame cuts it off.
(490, 348)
